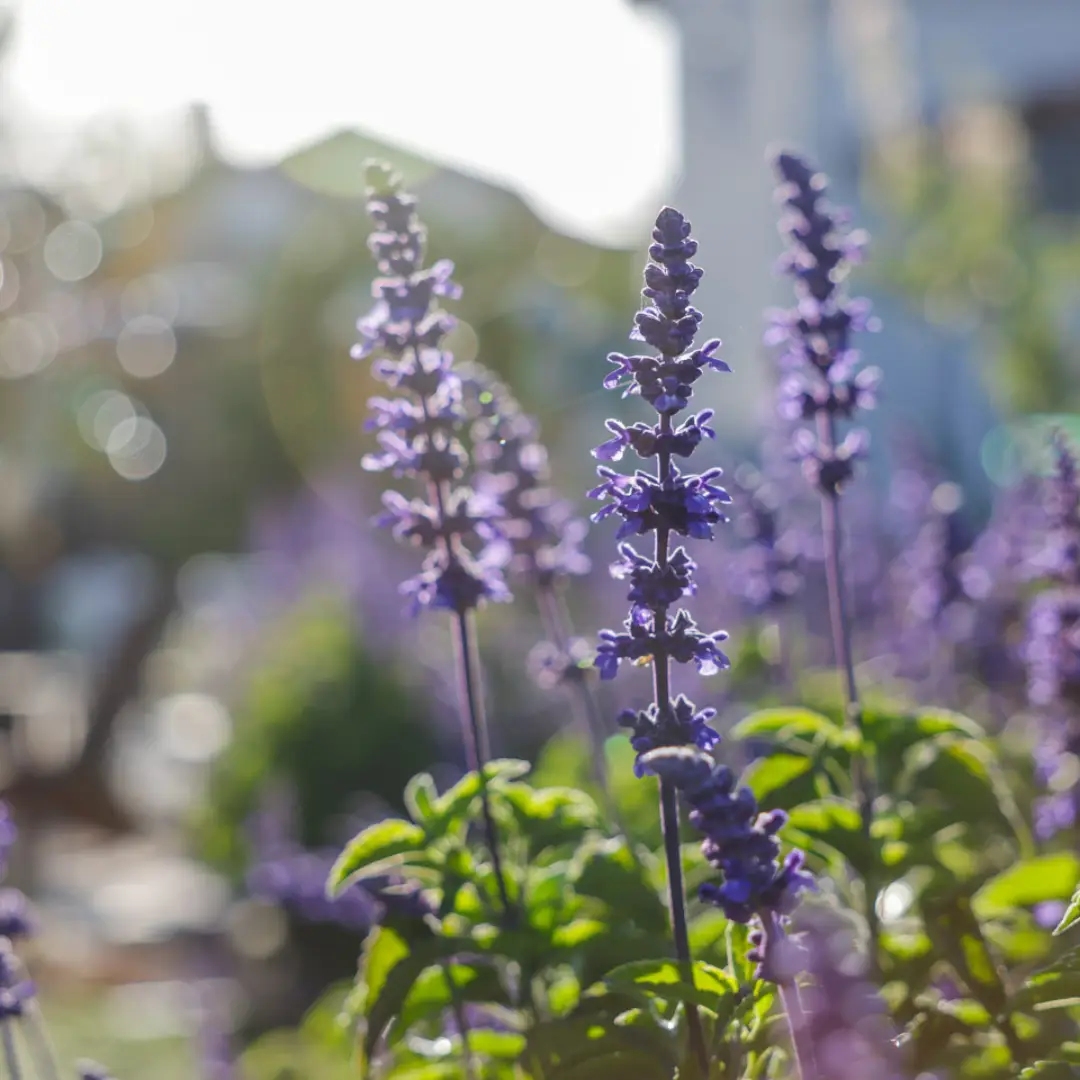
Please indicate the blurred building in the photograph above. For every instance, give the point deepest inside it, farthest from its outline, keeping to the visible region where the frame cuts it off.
(841, 80)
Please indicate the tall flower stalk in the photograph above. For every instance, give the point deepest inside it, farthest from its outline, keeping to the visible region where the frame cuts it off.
(420, 432)
(822, 386)
(665, 502)
(543, 535)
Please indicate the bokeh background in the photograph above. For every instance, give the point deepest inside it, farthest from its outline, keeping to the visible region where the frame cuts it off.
(203, 658)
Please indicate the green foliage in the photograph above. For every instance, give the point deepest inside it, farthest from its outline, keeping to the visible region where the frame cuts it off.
(576, 981)
(1071, 916)
(326, 715)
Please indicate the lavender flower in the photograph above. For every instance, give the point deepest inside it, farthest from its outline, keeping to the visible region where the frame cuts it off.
(512, 470)
(824, 385)
(846, 1023)
(420, 430)
(1052, 647)
(669, 501)
(420, 433)
(15, 990)
(766, 572)
(740, 841)
(822, 382)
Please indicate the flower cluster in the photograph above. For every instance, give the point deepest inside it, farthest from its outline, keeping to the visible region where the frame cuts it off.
(1052, 647)
(420, 430)
(822, 381)
(766, 573)
(511, 468)
(740, 841)
(847, 1023)
(669, 501)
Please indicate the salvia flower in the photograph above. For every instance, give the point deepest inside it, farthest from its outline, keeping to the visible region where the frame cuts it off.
(740, 840)
(420, 430)
(767, 571)
(511, 469)
(847, 1023)
(1052, 647)
(822, 379)
(665, 500)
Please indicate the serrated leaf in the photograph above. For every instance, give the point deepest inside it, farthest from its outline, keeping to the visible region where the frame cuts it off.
(1071, 916)
(375, 849)
(1029, 882)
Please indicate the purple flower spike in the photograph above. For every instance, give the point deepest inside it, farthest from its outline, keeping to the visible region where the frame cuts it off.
(823, 383)
(1052, 646)
(420, 433)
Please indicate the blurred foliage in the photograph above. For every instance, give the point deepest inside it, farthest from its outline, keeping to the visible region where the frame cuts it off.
(970, 245)
(328, 715)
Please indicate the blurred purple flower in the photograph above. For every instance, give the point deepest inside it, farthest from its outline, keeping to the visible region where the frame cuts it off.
(823, 381)
(846, 1021)
(420, 431)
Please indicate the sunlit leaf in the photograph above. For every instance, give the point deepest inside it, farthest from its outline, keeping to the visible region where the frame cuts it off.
(1071, 916)
(1028, 882)
(374, 850)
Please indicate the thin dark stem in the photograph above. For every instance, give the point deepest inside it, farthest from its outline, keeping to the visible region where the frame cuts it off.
(669, 799)
(862, 780)
(474, 724)
(669, 822)
(461, 1020)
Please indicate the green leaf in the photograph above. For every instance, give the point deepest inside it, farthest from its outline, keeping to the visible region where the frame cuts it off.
(835, 823)
(420, 795)
(1028, 882)
(1050, 1070)
(381, 1007)
(501, 1045)
(604, 1037)
(609, 871)
(1071, 916)
(432, 993)
(551, 817)
(378, 847)
(665, 981)
(957, 780)
(769, 776)
(577, 933)
(780, 726)
(1055, 986)
(958, 938)
(455, 804)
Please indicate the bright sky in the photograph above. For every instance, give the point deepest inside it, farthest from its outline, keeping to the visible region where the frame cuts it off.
(571, 102)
